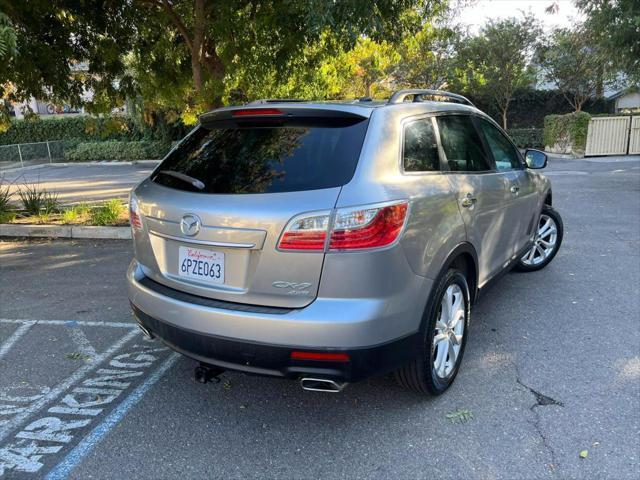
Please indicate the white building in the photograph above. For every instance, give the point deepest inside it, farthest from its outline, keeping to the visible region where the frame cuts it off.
(627, 100)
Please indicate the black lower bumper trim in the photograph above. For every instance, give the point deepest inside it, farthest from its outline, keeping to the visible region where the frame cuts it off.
(275, 360)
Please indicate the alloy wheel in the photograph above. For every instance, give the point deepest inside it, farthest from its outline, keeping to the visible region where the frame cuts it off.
(450, 325)
(544, 242)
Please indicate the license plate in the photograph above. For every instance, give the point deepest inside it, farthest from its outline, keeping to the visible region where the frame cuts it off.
(204, 265)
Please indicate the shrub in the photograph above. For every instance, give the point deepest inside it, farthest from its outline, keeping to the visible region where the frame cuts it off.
(108, 213)
(76, 213)
(86, 128)
(527, 137)
(569, 131)
(37, 201)
(113, 150)
(5, 206)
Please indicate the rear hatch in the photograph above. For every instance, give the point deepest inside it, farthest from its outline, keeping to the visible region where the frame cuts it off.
(213, 211)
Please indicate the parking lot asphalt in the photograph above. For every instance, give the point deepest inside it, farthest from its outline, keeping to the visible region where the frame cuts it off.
(83, 182)
(552, 368)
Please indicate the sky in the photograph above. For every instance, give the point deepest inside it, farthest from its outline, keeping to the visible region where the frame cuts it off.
(478, 13)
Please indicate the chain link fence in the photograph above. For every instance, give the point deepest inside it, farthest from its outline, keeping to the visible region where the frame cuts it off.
(25, 154)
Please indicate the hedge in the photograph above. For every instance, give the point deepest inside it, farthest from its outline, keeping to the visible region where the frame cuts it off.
(114, 150)
(86, 128)
(567, 131)
(527, 137)
(529, 107)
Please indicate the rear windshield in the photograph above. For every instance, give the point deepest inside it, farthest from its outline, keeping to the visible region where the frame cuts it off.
(265, 158)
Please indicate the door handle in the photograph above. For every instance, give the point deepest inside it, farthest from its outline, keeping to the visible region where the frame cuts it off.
(514, 189)
(469, 201)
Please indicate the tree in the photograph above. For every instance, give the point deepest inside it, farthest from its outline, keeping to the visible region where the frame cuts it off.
(53, 36)
(497, 61)
(7, 38)
(427, 58)
(616, 26)
(7, 51)
(186, 53)
(369, 65)
(574, 63)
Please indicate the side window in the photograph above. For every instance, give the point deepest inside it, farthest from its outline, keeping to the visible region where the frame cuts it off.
(462, 144)
(420, 150)
(504, 154)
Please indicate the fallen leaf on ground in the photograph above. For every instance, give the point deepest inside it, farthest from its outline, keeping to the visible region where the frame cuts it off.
(461, 416)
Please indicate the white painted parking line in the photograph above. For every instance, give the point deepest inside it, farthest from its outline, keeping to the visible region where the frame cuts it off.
(71, 322)
(13, 338)
(82, 342)
(59, 389)
(89, 442)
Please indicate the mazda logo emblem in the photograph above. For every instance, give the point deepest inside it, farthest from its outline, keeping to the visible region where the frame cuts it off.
(190, 224)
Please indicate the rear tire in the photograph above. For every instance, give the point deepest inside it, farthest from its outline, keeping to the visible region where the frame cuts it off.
(434, 369)
(547, 242)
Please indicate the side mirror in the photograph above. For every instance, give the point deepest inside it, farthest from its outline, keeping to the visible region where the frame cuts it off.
(535, 159)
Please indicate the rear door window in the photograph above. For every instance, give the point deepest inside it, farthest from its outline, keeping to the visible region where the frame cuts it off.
(420, 149)
(462, 144)
(504, 153)
(265, 158)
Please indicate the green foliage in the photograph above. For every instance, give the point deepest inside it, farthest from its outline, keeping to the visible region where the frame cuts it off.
(53, 36)
(115, 150)
(7, 38)
(529, 107)
(108, 213)
(497, 62)
(70, 128)
(460, 416)
(427, 58)
(527, 137)
(92, 129)
(615, 24)
(70, 216)
(368, 66)
(568, 130)
(573, 61)
(185, 54)
(38, 201)
(5, 196)
(75, 214)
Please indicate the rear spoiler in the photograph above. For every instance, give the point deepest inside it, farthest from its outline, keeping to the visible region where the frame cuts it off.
(273, 112)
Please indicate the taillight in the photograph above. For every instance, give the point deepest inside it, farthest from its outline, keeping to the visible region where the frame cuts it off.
(367, 227)
(354, 228)
(134, 214)
(306, 232)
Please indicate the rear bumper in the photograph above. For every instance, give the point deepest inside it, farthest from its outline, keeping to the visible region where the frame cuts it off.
(275, 360)
(260, 340)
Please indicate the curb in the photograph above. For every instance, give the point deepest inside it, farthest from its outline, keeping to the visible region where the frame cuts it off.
(64, 231)
(73, 164)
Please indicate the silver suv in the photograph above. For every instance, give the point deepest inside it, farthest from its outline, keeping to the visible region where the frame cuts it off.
(328, 242)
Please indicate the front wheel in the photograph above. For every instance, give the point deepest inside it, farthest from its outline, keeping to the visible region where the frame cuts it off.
(546, 242)
(447, 323)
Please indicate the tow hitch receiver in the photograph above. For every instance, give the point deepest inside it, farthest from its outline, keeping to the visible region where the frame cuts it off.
(207, 373)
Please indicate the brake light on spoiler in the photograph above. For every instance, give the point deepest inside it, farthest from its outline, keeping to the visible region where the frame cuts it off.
(353, 228)
(257, 112)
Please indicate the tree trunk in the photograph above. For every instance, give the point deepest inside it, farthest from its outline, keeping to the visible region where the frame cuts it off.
(196, 71)
(196, 45)
(504, 118)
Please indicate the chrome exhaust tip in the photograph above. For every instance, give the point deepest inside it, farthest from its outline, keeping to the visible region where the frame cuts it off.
(147, 333)
(321, 385)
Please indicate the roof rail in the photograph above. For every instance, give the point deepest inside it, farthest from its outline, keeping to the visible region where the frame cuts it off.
(263, 101)
(418, 93)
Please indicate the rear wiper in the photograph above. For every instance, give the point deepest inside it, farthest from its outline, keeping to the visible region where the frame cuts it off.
(185, 178)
